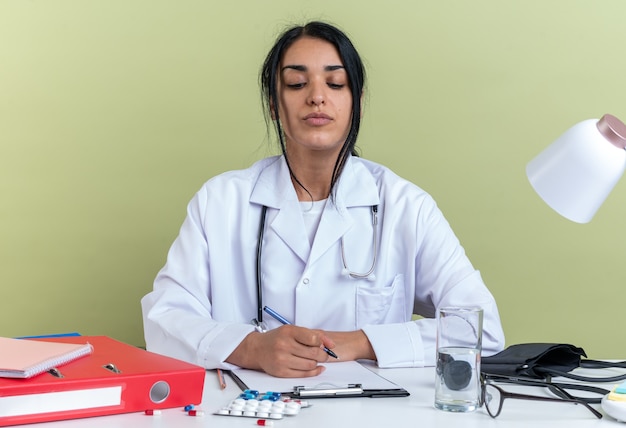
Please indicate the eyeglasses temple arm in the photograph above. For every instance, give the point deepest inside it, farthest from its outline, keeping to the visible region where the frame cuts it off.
(567, 400)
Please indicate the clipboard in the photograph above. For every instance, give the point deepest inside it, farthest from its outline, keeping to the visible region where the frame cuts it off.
(354, 390)
(339, 380)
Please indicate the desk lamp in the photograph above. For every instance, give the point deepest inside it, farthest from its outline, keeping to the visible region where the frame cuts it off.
(576, 173)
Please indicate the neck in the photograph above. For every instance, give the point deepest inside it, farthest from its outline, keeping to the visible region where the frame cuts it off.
(315, 191)
(314, 173)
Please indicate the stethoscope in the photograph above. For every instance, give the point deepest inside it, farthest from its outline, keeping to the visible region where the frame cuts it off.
(258, 322)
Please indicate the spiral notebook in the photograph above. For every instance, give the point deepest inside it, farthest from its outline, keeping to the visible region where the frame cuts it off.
(23, 358)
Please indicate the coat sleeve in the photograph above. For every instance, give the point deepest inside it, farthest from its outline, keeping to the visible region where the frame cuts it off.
(177, 313)
(443, 276)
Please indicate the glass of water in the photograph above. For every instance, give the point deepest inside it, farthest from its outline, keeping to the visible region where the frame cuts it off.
(459, 343)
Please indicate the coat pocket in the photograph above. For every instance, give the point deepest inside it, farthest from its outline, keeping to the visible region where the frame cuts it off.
(380, 305)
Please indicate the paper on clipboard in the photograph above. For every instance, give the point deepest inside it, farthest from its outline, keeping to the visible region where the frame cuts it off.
(336, 375)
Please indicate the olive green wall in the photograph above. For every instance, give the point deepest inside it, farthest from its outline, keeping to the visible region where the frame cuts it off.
(114, 112)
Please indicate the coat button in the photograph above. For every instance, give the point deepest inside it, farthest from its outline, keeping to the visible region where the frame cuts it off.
(305, 281)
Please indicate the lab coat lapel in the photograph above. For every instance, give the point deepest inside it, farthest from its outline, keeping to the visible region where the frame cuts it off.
(274, 190)
(289, 226)
(334, 224)
(356, 187)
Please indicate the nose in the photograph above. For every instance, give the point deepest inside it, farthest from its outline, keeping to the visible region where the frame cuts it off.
(316, 95)
(317, 100)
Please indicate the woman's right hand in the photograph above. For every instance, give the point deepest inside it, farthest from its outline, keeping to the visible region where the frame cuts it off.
(287, 351)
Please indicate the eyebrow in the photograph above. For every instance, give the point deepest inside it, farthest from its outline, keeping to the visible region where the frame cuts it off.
(304, 67)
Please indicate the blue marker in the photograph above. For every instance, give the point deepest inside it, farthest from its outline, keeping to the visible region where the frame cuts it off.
(283, 320)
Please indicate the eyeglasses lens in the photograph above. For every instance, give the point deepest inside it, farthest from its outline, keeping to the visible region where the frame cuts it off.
(493, 400)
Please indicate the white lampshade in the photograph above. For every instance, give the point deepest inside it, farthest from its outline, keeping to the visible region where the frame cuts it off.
(575, 174)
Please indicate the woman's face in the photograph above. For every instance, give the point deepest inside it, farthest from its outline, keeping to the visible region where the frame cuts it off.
(315, 102)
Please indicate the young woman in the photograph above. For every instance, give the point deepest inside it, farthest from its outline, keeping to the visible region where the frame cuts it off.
(340, 247)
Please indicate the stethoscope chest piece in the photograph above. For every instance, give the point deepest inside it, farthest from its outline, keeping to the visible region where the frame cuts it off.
(259, 326)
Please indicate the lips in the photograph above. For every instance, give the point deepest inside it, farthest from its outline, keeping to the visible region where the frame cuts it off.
(317, 119)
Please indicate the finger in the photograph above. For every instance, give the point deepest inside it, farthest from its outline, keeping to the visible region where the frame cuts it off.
(313, 350)
(290, 365)
(312, 338)
(295, 373)
(297, 341)
(328, 342)
(282, 354)
(300, 342)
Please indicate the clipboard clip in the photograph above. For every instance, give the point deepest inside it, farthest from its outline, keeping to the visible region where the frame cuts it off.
(351, 389)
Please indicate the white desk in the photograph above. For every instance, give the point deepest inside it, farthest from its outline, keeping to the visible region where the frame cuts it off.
(415, 411)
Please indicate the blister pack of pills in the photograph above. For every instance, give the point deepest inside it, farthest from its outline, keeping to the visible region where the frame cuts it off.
(266, 405)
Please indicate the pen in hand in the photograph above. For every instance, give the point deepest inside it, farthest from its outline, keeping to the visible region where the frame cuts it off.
(280, 318)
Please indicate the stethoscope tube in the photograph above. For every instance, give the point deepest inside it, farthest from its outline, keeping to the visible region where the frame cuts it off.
(369, 274)
(259, 283)
(258, 321)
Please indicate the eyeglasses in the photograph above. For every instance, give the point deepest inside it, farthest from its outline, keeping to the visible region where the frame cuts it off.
(492, 396)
